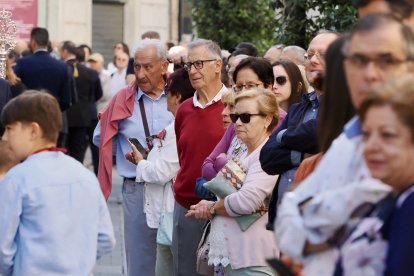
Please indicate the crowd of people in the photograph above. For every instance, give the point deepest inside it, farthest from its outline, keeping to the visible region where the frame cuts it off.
(294, 163)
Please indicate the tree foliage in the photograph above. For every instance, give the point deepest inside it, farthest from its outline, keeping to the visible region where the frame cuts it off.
(229, 22)
(299, 20)
(267, 22)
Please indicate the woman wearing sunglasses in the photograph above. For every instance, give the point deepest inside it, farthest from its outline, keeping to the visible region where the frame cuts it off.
(289, 85)
(233, 251)
(250, 73)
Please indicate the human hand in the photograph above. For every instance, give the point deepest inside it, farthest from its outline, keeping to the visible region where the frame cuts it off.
(134, 156)
(295, 267)
(201, 210)
(222, 155)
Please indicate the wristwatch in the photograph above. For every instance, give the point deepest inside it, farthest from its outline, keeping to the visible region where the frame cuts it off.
(213, 210)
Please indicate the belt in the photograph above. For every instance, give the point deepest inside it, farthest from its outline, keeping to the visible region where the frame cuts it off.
(130, 179)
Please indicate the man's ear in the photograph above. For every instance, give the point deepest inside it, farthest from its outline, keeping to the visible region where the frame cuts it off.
(219, 63)
(164, 66)
(178, 99)
(36, 131)
(299, 86)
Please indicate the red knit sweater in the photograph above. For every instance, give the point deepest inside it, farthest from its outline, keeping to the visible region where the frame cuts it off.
(198, 132)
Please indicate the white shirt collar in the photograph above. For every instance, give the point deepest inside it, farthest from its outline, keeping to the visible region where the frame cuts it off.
(216, 98)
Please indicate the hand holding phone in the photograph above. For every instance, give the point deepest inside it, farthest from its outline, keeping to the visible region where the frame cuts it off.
(140, 148)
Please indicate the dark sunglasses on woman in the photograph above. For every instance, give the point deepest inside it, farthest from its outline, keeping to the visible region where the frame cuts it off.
(281, 80)
(244, 117)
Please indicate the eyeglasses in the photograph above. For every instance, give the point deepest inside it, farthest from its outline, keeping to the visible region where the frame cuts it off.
(309, 56)
(281, 80)
(198, 64)
(244, 117)
(383, 62)
(239, 87)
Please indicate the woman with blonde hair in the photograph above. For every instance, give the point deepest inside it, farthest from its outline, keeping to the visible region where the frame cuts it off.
(234, 249)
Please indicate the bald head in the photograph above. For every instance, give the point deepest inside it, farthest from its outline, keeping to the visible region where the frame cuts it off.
(294, 53)
(273, 54)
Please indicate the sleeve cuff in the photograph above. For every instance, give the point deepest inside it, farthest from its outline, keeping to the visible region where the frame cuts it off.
(141, 164)
(279, 136)
(230, 211)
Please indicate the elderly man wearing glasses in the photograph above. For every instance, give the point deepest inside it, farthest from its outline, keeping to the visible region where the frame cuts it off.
(136, 111)
(199, 127)
(296, 137)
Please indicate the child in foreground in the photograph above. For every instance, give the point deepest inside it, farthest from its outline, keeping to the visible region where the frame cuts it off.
(53, 216)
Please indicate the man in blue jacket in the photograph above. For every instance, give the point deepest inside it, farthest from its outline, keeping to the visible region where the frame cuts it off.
(296, 136)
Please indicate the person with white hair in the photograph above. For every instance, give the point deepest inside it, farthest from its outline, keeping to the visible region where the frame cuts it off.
(136, 111)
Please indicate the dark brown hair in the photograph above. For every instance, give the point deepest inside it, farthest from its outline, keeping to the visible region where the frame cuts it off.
(40, 36)
(178, 84)
(260, 66)
(296, 80)
(337, 108)
(35, 107)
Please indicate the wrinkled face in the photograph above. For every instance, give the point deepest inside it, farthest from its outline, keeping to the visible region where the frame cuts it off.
(225, 114)
(210, 71)
(250, 132)
(374, 58)
(246, 79)
(18, 136)
(281, 86)
(388, 147)
(315, 62)
(149, 69)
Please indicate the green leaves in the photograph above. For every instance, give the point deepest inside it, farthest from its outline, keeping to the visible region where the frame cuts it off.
(267, 22)
(229, 22)
(301, 19)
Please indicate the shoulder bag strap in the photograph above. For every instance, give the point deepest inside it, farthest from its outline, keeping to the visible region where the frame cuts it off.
(144, 120)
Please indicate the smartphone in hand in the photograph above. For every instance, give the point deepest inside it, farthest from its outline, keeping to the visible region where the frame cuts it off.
(139, 147)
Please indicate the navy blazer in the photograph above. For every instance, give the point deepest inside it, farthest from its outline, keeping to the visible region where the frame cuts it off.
(276, 156)
(41, 71)
(5, 96)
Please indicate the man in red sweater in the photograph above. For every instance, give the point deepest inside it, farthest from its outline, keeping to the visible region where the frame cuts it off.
(199, 127)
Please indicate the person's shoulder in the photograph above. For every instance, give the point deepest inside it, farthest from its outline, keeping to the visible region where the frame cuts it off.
(186, 106)
(3, 82)
(406, 199)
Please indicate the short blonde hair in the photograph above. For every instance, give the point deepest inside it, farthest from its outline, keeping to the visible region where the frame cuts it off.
(266, 101)
(228, 97)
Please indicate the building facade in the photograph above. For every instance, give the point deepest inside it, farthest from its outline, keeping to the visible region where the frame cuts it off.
(102, 23)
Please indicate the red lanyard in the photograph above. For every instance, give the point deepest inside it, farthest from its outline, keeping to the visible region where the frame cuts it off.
(51, 149)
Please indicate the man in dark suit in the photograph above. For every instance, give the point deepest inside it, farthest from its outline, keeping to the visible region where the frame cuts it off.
(41, 71)
(89, 90)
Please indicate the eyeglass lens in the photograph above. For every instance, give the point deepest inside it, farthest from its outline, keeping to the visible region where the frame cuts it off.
(244, 117)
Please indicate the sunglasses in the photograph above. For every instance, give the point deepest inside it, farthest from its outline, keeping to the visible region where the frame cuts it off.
(281, 80)
(244, 117)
